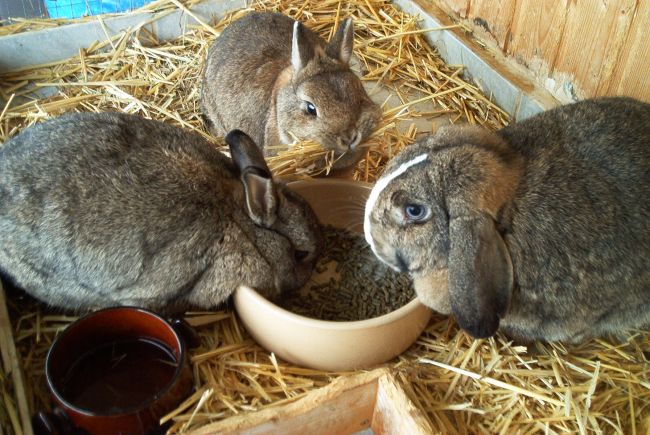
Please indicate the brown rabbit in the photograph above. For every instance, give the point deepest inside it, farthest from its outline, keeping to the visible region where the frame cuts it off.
(273, 78)
(101, 209)
(542, 228)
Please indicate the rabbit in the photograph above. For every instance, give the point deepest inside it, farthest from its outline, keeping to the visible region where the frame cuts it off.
(541, 229)
(112, 209)
(275, 79)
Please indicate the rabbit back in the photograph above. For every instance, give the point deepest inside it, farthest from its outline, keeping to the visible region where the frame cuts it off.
(578, 229)
(241, 70)
(278, 81)
(541, 229)
(112, 209)
(108, 209)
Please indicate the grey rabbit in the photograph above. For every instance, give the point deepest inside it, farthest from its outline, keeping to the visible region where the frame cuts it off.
(275, 79)
(113, 209)
(541, 228)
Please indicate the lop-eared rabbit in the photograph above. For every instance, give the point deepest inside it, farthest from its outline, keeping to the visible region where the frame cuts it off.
(276, 80)
(112, 209)
(541, 228)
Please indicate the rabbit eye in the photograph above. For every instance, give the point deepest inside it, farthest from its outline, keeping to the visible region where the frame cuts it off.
(311, 109)
(300, 255)
(415, 212)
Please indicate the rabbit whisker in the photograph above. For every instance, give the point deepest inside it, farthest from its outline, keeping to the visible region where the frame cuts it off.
(349, 208)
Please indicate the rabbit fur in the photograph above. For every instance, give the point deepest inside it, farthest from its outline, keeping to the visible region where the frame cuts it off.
(112, 209)
(541, 228)
(265, 69)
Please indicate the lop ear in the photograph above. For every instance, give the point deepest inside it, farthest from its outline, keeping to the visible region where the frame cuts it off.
(480, 274)
(340, 47)
(259, 189)
(301, 49)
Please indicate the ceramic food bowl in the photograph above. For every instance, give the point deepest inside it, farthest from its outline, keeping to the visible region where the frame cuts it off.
(328, 345)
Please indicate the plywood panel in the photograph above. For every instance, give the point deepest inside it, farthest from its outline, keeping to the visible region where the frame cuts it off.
(592, 41)
(631, 75)
(537, 31)
(459, 7)
(495, 16)
(350, 404)
(574, 48)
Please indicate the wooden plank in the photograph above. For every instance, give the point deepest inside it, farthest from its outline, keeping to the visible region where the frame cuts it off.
(495, 18)
(10, 355)
(459, 7)
(592, 43)
(344, 406)
(512, 72)
(576, 49)
(537, 30)
(395, 413)
(351, 404)
(630, 74)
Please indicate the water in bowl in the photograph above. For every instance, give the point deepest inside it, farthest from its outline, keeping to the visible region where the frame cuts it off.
(118, 376)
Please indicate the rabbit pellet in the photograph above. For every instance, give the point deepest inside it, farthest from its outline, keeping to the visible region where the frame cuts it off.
(362, 287)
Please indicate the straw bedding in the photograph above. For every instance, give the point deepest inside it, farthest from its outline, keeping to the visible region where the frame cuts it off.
(462, 385)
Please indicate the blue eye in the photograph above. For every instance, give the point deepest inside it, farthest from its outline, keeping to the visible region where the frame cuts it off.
(311, 109)
(415, 212)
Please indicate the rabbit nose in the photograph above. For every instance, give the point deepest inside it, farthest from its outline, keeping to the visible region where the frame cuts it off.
(356, 138)
(350, 143)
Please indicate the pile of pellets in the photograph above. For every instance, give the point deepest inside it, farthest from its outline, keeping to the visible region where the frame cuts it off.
(359, 286)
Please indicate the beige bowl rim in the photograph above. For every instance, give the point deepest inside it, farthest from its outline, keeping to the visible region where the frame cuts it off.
(287, 315)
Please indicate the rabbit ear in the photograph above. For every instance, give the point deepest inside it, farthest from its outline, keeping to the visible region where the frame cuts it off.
(261, 197)
(301, 49)
(480, 274)
(340, 47)
(245, 153)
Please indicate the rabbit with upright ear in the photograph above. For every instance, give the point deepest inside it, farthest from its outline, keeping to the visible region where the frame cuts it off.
(542, 228)
(275, 79)
(111, 209)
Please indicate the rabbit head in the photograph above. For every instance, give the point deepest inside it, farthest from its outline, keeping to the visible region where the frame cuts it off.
(433, 214)
(130, 211)
(288, 233)
(324, 100)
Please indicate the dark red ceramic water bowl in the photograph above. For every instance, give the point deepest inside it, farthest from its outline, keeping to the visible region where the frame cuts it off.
(118, 370)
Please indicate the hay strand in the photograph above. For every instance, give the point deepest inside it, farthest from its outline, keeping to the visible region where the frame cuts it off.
(21, 422)
(160, 81)
(493, 382)
(600, 386)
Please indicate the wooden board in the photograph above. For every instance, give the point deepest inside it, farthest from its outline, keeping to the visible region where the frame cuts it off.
(576, 48)
(372, 400)
(631, 74)
(11, 365)
(394, 413)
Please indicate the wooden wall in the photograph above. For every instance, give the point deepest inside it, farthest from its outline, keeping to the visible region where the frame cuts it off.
(575, 48)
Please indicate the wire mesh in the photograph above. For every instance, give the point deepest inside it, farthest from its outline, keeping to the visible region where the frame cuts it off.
(64, 8)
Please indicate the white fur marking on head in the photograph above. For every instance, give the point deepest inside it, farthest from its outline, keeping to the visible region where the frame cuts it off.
(295, 50)
(374, 195)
